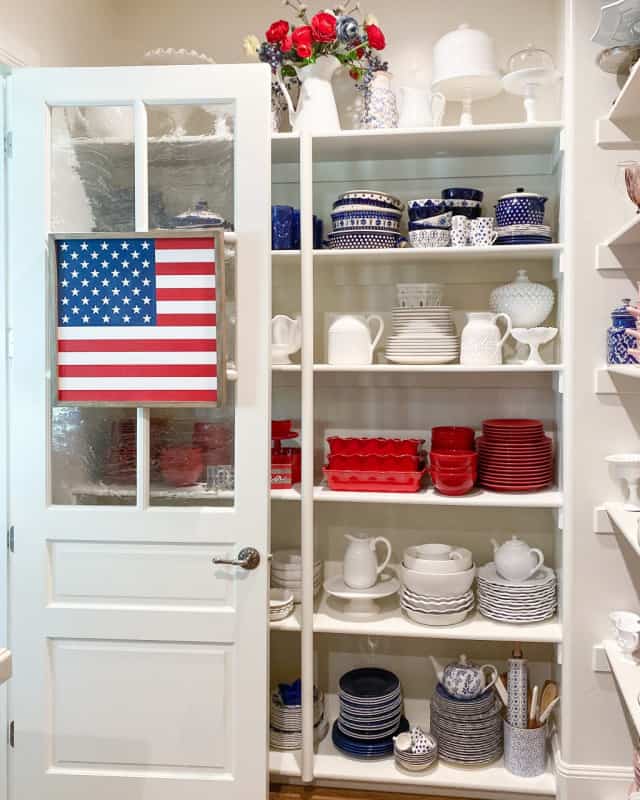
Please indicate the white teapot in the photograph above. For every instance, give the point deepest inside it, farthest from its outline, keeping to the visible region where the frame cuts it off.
(515, 560)
(350, 339)
(481, 341)
(361, 568)
(286, 338)
(419, 108)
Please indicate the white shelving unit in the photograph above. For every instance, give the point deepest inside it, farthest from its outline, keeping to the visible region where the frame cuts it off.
(626, 671)
(313, 170)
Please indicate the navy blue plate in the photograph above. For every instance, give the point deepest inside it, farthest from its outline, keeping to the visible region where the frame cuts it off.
(369, 682)
(371, 749)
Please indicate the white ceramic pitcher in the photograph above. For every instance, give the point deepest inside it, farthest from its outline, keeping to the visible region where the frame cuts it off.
(481, 341)
(350, 339)
(361, 567)
(317, 110)
(286, 338)
(419, 108)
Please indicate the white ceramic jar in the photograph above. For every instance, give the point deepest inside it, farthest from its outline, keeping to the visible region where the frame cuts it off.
(528, 304)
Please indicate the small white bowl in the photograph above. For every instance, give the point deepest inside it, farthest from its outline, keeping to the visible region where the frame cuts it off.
(435, 584)
(414, 558)
(279, 598)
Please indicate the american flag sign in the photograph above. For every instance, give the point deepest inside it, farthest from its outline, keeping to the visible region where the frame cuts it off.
(136, 319)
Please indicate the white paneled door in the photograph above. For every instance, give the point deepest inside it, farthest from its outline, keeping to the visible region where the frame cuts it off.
(140, 666)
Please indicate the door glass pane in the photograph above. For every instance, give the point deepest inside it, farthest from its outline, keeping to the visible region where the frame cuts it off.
(93, 456)
(191, 152)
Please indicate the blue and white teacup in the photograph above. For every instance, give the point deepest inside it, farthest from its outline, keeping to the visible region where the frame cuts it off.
(481, 233)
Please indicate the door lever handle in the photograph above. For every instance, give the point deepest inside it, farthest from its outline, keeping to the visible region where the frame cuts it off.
(248, 558)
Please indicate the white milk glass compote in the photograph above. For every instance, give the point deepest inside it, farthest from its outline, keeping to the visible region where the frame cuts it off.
(627, 468)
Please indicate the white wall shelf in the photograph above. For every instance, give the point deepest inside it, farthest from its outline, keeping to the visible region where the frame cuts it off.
(617, 379)
(478, 498)
(626, 671)
(625, 113)
(392, 622)
(5, 665)
(610, 137)
(625, 522)
(622, 250)
(330, 764)
(464, 255)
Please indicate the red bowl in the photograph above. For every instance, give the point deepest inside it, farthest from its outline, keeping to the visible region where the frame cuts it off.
(453, 482)
(281, 427)
(452, 437)
(181, 466)
(453, 458)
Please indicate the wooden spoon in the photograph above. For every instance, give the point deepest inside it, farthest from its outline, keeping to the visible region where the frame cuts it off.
(549, 694)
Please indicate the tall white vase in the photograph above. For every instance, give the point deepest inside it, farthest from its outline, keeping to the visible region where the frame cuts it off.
(317, 110)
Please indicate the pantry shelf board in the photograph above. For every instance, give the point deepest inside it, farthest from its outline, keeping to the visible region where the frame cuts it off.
(626, 522)
(626, 671)
(285, 148)
(610, 137)
(286, 368)
(199, 492)
(436, 368)
(286, 494)
(292, 623)
(285, 256)
(625, 113)
(330, 764)
(627, 236)
(479, 498)
(393, 623)
(449, 141)
(285, 763)
(465, 255)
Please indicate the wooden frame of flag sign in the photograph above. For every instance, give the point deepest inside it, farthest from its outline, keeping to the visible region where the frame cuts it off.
(134, 318)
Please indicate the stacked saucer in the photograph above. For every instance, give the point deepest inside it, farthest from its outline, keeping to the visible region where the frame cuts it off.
(285, 728)
(364, 219)
(514, 455)
(533, 600)
(468, 731)
(415, 751)
(286, 573)
(523, 234)
(422, 336)
(280, 604)
(370, 713)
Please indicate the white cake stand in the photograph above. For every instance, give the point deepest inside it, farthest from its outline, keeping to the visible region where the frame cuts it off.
(526, 82)
(361, 603)
(467, 89)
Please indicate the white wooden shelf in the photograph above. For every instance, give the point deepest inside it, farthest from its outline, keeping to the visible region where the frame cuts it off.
(331, 764)
(285, 257)
(450, 141)
(627, 523)
(621, 250)
(285, 148)
(629, 234)
(286, 368)
(5, 665)
(392, 622)
(291, 623)
(626, 671)
(464, 255)
(625, 113)
(438, 368)
(617, 379)
(198, 492)
(478, 498)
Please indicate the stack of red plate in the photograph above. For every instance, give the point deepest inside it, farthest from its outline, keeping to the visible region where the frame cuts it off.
(514, 456)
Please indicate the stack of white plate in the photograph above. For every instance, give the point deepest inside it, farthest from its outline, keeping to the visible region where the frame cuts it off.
(422, 336)
(285, 730)
(280, 604)
(286, 573)
(533, 600)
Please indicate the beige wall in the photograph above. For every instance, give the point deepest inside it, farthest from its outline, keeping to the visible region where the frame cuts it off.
(56, 33)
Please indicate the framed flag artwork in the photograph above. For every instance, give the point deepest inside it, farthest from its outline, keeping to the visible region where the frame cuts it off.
(135, 318)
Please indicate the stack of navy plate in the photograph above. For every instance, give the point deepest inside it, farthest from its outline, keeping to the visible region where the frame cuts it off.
(364, 219)
(370, 713)
(468, 731)
(523, 234)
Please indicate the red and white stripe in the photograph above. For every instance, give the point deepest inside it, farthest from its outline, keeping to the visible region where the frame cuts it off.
(173, 361)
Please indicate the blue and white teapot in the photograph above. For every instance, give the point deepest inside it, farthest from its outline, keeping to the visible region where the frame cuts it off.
(464, 680)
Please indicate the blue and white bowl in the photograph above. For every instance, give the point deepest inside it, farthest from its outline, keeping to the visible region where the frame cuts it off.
(367, 207)
(438, 221)
(364, 240)
(426, 207)
(367, 196)
(520, 208)
(462, 193)
(376, 221)
(433, 237)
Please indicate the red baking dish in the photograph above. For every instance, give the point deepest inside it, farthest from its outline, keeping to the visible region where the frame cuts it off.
(352, 445)
(388, 463)
(345, 480)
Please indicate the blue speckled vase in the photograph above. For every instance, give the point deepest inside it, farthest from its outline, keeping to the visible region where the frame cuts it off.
(619, 342)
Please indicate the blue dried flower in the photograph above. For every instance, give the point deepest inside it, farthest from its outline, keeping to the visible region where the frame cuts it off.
(347, 29)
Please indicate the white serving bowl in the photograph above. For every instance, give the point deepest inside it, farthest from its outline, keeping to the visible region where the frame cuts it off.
(436, 584)
(279, 598)
(415, 558)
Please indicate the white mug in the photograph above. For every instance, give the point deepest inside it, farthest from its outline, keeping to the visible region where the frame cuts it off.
(459, 230)
(481, 232)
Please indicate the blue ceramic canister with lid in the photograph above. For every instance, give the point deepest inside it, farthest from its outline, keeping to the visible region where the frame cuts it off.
(618, 341)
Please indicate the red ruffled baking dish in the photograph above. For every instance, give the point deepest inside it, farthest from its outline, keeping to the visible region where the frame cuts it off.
(347, 480)
(387, 463)
(351, 445)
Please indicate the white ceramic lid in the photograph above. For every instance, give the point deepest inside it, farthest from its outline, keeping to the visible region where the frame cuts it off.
(530, 58)
(521, 193)
(464, 53)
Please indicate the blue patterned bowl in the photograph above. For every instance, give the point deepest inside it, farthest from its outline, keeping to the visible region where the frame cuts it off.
(428, 207)
(364, 240)
(461, 193)
(364, 219)
(439, 221)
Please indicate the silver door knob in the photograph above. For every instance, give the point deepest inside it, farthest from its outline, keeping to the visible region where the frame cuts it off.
(248, 558)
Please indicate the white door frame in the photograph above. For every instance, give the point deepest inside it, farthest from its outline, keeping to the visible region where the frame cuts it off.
(252, 463)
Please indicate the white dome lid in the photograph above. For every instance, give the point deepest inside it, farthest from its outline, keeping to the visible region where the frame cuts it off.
(464, 53)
